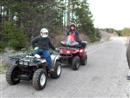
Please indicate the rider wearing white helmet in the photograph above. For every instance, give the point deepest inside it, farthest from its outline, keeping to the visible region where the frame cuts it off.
(43, 43)
(44, 32)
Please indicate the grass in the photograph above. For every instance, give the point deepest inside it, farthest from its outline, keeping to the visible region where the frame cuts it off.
(3, 68)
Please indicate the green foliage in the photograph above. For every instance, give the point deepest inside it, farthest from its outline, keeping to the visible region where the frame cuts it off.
(32, 15)
(118, 32)
(15, 37)
(125, 32)
(2, 46)
(85, 22)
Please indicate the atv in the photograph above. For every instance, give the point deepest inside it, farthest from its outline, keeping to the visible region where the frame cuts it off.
(28, 67)
(74, 56)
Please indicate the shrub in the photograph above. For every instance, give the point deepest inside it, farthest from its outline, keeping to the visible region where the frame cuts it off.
(126, 32)
(2, 46)
(16, 38)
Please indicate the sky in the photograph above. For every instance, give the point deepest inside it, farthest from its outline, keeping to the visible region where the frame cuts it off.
(110, 13)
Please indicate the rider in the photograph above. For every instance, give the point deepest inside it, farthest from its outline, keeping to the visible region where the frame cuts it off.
(73, 36)
(42, 44)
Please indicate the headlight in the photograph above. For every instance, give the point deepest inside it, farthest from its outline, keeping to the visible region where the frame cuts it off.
(68, 52)
(21, 62)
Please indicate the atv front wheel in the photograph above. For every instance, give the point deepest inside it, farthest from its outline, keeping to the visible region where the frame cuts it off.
(39, 79)
(76, 63)
(12, 75)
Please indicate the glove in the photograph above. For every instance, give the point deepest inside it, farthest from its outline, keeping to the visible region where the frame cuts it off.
(36, 48)
(37, 56)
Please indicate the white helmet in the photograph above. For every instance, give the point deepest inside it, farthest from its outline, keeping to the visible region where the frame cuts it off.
(44, 32)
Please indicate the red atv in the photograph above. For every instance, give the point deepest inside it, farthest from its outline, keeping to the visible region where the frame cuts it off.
(74, 56)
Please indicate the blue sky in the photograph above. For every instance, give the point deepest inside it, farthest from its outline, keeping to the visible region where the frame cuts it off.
(110, 13)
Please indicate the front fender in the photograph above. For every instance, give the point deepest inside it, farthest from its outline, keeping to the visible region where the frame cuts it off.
(54, 58)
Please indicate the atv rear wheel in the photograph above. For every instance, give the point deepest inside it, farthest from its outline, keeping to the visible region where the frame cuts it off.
(76, 63)
(57, 70)
(12, 75)
(39, 79)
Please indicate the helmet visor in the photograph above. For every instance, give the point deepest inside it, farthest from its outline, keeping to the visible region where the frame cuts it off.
(44, 34)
